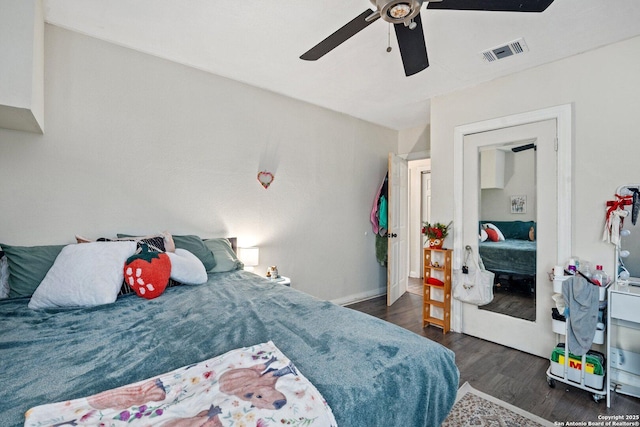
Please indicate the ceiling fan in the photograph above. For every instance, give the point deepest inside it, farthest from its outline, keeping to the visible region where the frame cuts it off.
(405, 15)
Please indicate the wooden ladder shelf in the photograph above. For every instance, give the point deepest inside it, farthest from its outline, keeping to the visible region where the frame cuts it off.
(436, 303)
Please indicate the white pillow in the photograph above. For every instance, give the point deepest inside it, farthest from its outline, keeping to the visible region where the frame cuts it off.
(187, 268)
(84, 275)
(493, 227)
(483, 235)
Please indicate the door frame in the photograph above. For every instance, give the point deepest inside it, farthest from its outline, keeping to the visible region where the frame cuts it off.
(563, 114)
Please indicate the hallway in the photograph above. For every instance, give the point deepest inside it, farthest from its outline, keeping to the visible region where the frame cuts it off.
(415, 286)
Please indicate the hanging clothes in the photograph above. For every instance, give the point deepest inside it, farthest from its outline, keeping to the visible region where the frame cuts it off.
(382, 216)
(581, 298)
(378, 220)
(382, 243)
(382, 191)
(635, 205)
(614, 218)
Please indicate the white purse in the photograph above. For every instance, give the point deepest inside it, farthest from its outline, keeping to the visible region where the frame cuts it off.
(473, 284)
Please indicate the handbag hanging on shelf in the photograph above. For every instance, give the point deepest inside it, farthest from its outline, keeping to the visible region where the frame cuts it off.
(472, 283)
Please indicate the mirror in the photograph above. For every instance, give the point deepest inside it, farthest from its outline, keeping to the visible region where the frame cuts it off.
(507, 225)
(628, 255)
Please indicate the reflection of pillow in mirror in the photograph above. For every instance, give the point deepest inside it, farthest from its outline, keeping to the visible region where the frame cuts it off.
(496, 229)
(483, 235)
(532, 234)
(492, 234)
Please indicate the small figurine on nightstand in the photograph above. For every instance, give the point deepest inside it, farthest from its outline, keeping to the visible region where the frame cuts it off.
(272, 272)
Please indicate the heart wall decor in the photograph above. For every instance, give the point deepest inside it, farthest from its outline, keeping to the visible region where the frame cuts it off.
(265, 178)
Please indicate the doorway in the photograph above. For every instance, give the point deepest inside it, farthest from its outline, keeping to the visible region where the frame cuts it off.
(419, 211)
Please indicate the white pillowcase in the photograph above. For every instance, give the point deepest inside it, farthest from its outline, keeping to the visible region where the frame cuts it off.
(493, 227)
(84, 275)
(187, 268)
(483, 235)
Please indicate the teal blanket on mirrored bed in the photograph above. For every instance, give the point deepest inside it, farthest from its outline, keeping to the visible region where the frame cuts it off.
(371, 373)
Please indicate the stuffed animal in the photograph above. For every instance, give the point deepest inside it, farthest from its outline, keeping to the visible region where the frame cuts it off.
(148, 272)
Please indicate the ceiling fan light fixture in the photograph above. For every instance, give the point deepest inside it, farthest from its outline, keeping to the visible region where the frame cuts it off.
(399, 11)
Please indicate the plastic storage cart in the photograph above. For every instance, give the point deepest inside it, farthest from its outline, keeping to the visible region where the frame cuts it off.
(588, 371)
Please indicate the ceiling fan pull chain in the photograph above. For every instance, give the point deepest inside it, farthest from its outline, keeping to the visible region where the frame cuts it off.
(389, 39)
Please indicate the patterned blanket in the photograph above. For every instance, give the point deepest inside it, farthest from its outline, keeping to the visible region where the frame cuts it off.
(252, 386)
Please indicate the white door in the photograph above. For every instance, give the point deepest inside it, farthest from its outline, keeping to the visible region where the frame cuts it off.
(398, 217)
(535, 337)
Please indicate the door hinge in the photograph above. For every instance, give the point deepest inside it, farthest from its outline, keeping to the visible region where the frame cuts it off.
(555, 144)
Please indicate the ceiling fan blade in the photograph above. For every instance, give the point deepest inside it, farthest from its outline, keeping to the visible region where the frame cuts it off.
(340, 36)
(493, 5)
(412, 47)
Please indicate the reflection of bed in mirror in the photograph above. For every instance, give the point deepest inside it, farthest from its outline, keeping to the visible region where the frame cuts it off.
(513, 257)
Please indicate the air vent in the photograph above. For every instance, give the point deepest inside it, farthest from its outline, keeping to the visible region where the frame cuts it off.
(512, 48)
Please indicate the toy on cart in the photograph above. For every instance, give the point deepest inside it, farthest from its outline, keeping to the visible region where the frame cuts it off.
(586, 372)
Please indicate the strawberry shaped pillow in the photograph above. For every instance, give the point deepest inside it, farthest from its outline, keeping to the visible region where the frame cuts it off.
(147, 273)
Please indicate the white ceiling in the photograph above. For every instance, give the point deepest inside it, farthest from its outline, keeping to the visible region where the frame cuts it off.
(259, 42)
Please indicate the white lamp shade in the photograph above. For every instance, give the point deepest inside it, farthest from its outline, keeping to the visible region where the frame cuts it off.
(249, 256)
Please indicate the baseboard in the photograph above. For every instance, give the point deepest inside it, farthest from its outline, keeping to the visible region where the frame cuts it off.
(352, 299)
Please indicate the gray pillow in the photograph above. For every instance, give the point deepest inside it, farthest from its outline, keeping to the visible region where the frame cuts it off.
(226, 259)
(196, 246)
(27, 266)
(4, 276)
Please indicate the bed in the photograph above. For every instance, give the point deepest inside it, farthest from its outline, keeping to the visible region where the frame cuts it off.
(513, 255)
(369, 371)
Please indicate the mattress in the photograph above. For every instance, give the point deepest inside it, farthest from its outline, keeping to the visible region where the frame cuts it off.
(369, 371)
(511, 256)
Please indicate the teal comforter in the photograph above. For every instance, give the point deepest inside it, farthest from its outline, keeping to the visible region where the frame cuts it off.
(371, 373)
(511, 256)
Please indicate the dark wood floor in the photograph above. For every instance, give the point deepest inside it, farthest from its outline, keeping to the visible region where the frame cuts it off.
(513, 376)
(510, 302)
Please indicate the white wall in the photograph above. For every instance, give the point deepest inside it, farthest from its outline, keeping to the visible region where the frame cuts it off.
(520, 179)
(138, 144)
(414, 143)
(21, 65)
(603, 86)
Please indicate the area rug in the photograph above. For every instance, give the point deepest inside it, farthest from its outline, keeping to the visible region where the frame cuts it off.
(475, 408)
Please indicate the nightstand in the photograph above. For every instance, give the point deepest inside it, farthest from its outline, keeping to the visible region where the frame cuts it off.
(281, 280)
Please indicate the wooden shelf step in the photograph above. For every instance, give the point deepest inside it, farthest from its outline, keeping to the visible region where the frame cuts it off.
(434, 321)
(435, 303)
